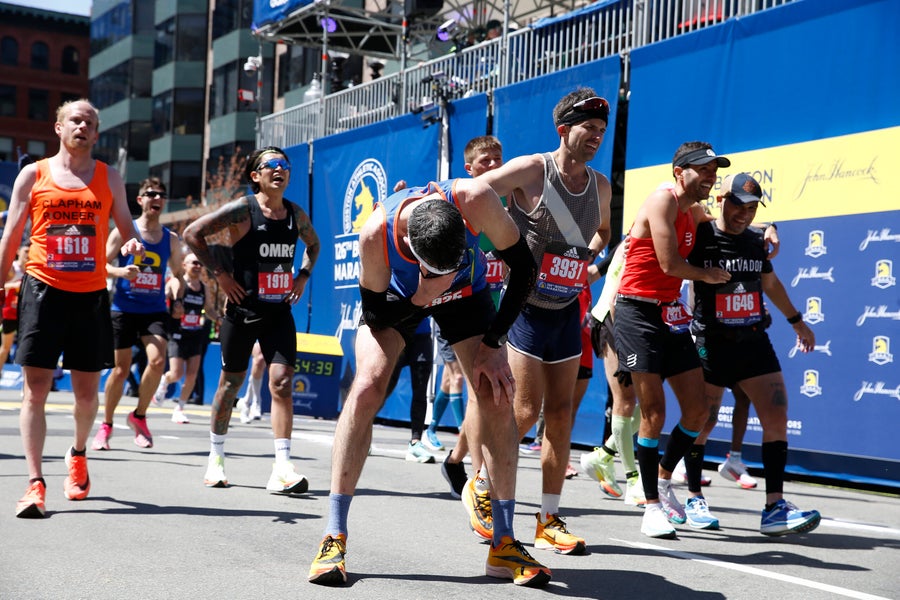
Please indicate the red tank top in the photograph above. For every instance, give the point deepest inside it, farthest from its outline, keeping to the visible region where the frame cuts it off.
(643, 276)
(69, 230)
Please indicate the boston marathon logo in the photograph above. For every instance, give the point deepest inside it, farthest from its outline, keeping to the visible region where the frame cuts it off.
(816, 246)
(881, 350)
(884, 274)
(813, 312)
(367, 186)
(811, 387)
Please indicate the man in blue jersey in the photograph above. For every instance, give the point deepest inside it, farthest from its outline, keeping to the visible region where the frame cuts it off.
(419, 256)
(139, 311)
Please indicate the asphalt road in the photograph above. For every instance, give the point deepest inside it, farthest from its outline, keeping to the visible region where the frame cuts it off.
(150, 529)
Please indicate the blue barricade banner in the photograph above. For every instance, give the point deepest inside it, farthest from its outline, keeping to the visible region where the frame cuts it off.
(298, 192)
(468, 119)
(829, 178)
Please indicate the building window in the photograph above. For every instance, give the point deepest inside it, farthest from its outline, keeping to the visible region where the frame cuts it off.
(164, 49)
(70, 58)
(37, 149)
(38, 105)
(9, 51)
(230, 15)
(6, 149)
(40, 56)
(111, 26)
(7, 101)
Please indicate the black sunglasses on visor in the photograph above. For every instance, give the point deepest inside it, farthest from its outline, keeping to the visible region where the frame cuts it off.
(589, 108)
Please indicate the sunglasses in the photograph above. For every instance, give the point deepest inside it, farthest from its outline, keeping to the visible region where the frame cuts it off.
(155, 194)
(433, 272)
(196, 262)
(274, 163)
(595, 103)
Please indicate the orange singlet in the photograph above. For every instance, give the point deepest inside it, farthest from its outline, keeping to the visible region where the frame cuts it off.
(69, 230)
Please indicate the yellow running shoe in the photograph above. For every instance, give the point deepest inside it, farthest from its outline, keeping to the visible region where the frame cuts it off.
(329, 568)
(510, 560)
(553, 535)
(478, 505)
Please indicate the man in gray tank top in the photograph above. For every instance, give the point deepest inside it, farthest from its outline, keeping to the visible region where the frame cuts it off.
(561, 205)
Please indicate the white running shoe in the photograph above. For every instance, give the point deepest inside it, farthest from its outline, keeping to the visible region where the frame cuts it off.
(669, 503)
(159, 396)
(246, 417)
(680, 475)
(215, 473)
(179, 417)
(735, 470)
(655, 524)
(634, 492)
(285, 480)
(417, 453)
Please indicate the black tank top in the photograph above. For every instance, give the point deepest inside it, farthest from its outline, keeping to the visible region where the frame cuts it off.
(264, 258)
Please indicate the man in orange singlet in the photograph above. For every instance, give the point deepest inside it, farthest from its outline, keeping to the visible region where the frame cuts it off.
(63, 302)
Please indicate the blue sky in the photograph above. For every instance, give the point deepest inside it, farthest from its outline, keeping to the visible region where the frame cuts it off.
(77, 7)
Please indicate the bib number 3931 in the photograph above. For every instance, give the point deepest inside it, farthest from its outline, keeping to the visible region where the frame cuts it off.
(563, 270)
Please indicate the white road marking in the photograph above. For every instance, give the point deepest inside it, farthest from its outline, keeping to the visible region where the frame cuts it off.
(753, 571)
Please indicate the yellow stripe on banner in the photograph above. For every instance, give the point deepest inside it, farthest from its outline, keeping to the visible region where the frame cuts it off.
(845, 175)
(312, 343)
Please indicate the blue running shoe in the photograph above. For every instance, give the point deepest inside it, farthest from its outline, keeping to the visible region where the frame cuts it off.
(432, 442)
(785, 518)
(698, 516)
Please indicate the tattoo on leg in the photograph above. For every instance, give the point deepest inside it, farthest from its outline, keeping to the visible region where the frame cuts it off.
(779, 397)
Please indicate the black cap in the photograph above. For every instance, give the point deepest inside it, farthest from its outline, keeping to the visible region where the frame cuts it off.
(699, 156)
(742, 188)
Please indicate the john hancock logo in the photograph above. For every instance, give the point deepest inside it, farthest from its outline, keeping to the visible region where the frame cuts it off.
(884, 274)
(816, 245)
(813, 312)
(881, 350)
(810, 385)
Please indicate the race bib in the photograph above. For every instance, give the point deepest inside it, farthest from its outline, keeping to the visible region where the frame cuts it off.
(494, 272)
(459, 294)
(676, 316)
(191, 321)
(275, 281)
(739, 303)
(72, 248)
(148, 280)
(563, 270)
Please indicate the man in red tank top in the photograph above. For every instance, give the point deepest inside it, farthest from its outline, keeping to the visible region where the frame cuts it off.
(69, 198)
(652, 334)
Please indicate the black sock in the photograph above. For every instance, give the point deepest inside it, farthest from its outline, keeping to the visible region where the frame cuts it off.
(79, 452)
(41, 479)
(137, 416)
(676, 448)
(693, 464)
(774, 459)
(648, 463)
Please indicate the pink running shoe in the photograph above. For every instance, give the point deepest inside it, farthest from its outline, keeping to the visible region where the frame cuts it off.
(142, 437)
(101, 440)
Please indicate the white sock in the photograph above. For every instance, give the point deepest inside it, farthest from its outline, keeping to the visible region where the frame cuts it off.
(216, 445)
(734, 457)
(282, 450)
(482, 480)
(549, 505)
(253, 391)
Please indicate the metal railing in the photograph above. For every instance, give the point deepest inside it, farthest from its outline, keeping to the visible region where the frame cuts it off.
(521, 55)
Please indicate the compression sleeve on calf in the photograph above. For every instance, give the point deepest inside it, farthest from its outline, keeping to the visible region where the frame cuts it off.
(522, 273)
(380, 310)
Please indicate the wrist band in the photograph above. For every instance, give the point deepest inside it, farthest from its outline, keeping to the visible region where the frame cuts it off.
(795, 319)
(304, 271)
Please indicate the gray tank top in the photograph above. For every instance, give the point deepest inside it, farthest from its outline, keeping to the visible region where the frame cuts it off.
(562, 265)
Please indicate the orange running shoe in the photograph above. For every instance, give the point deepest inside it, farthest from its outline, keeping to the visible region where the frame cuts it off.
(510, 560)
(31, 506)
(78, 483)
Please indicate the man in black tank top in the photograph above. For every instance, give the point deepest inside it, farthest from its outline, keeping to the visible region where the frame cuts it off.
(730, 322)
(260, 289)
